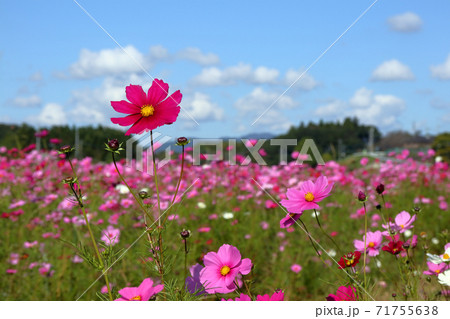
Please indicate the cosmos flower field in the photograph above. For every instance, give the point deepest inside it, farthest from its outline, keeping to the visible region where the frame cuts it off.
(220, 204)
(363, 229)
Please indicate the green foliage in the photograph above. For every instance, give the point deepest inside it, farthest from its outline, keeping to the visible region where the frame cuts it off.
(441, 145)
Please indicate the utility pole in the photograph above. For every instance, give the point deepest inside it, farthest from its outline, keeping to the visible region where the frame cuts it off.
(77, 143)
(371, 138)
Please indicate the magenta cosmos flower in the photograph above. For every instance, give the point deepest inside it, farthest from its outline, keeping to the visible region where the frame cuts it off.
(373, 243)
(221, 269)
(142, 293)
(344, 294)
(308, 196)
(147, 111)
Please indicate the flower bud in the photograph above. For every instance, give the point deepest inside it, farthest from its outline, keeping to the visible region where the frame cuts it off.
(181, 141)
(362, 197)
(380, 189)
(114, 144)
(143, 194)
(185, 234)
(66, 149)
(69, 180)
(378, 207)
(394, 294)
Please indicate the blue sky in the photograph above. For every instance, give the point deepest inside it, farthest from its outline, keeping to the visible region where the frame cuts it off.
(231, 60)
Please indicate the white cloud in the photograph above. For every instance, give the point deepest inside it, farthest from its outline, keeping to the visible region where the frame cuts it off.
(197, 56)
(51, 114)
(361, 98)
(36, 77)
(438, 103)
(331, 110)
(392, 70)
(441, 71)
(381, 110)
(259, 100)
(214, 76)
(27, 101)
(201, 108)
(108, 62)
(256, 102)
(405, 22)
(92, 106)
(158, 52)
(306, 82)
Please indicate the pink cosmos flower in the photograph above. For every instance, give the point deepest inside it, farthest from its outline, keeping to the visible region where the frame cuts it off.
(435, 269)
(344, 294)
(308, 196)
(289, 220)
(403, 221)
(373, 243)
(142, 293)
(277, 296)
(364, 161)
(296, 268)
(221, 269)
(147, 111)
(111, 236)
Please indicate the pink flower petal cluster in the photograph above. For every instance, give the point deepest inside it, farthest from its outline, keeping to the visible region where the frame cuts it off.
(373, 243)
(344, 294)
(147, 111)
(142, 293)
(403, 221)
(221, 269)
(308, 196)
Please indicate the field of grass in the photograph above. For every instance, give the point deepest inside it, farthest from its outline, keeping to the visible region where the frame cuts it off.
(220, 204)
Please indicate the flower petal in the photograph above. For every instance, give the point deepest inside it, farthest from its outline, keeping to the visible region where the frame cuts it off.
(246, 266)
(229, 255)
(125, 107)
(127, 120)
(157, 92)
(136, 95)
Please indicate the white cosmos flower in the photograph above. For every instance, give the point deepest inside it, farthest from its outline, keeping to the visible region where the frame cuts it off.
(122, 189)
(408, 233)
(201, 205)
(228, 215)
(313, 214)
(436, 259)
(435, 241)
(332, 252)
(444, 278)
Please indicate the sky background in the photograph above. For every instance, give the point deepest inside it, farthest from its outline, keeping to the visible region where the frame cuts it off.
(231, 60)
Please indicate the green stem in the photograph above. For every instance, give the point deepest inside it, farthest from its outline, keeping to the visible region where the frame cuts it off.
(328, 236)
(365, 246)
(177, 187)
(161, 270)
(80, 202)
(126, 184)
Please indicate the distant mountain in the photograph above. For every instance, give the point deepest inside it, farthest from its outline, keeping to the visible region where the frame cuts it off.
(256, 136)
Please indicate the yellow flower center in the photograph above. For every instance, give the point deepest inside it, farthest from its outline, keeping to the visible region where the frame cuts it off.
(136, 298)
(147, 110)
(224, 270)
(402, 226)
(371, 244)
(309, 197)
(437, 271)
(446, 256)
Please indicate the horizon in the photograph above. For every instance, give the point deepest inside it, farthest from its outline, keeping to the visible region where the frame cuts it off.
(383, 62)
